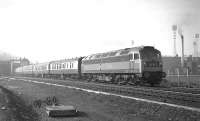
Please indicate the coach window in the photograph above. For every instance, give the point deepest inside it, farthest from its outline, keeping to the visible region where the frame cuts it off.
(136, 56)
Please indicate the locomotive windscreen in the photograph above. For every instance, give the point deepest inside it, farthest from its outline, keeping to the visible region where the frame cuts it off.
(150, 53)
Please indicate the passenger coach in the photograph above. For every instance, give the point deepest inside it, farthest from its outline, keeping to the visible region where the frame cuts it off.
(65, 68)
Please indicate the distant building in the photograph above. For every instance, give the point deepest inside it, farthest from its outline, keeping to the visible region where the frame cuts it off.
(7, 67)
(24, 62)
(172, 65)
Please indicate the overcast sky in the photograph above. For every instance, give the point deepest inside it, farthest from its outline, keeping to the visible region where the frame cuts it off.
(44, 30)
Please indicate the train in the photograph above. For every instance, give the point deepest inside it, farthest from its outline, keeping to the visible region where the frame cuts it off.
(136, 65)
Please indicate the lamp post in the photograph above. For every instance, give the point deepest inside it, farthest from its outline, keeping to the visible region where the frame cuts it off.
(182, 45)
(196, 36)
(174, 29)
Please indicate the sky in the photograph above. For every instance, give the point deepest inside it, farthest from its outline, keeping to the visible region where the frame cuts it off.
(45, 30)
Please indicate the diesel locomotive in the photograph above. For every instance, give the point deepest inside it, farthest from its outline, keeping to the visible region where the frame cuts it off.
(134, 65)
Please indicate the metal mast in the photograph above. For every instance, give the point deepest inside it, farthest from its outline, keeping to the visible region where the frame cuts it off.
(195, 44)
(174, 29)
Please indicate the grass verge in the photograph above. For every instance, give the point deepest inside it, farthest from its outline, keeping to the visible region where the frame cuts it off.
(17, 107)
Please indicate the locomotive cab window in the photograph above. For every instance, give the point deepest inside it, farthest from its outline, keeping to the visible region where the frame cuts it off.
(136, 56)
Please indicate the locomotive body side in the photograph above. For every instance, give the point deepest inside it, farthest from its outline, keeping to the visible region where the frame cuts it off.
(111, 62)
(125, 65)
(113, 66)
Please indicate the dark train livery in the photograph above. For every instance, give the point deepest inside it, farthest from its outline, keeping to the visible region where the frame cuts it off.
(131, 65)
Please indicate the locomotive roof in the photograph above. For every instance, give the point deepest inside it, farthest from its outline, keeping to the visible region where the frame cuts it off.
(125, 51)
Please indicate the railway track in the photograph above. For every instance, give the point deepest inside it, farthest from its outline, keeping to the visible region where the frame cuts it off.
(184, 96)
